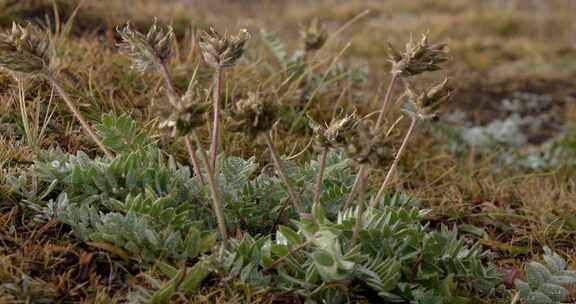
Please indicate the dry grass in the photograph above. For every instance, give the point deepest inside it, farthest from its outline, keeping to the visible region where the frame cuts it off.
(501, 42)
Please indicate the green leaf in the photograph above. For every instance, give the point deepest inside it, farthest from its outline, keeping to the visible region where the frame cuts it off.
(555, 292)
(195, 276)
(279, 250)
(290, 235)
(555, 262)
(537, 274)
(167, 291)
(324, 259)
(276, 46)
(121, 133)
(538, 297)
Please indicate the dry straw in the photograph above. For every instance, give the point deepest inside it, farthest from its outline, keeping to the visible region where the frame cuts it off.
(29, 51)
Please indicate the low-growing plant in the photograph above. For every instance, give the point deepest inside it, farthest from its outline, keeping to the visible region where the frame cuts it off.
(289, 230)
(548, 283)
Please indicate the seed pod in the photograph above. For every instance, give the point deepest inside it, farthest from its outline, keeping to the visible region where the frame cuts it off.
(314, 36)
(253, 115)
(425, 105)
(419, 57)
(335, 134)
(183, 118)
(368, 146)
(25, 50)
(149, 50)
(222, 51)
(186, 115)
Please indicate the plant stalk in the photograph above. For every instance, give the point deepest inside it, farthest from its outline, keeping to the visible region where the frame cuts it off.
(379, 122)
(320, 176)
(360, 211)
(216, 123)
(375, 200)
(216, 203)
(169, 84)
(280, 167)
(386, 100)
(76, 112)
(352, 193)
(174, 98)
(194, 160)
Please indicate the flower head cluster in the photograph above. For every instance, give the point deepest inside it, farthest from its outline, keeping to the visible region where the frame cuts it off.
(424, 105)
(419, 57)
(222, 51)
(370, 146)
(147, 50)
(186, 115)
(314, 36)
(253, 115)
(24, 50)
(336, 133)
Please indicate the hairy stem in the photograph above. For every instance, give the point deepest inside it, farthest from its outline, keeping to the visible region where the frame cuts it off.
(320, 176)
(216, 203)
(352, 193)
(216, 123)
(194, 160)
(386, 100)
(85, 125)
(379, 122)
(278, 163)
(378, 196)
(360, 211)
(174, 98)
(169, 85)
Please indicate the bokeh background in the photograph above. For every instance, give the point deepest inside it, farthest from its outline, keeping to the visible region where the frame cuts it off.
(498, 47)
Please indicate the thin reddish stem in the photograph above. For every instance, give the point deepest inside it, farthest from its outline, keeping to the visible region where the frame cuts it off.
(379, 122)
(194, 160)
(352, 193)
(76, 112)
(282, 172)
(386, 100)
(216, 122)
(320, 176)
(378, 196)
(216, 202)
(360, 210)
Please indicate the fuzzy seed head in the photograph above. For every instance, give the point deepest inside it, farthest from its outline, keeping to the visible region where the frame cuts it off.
(222, 51)
(186, 115)
(24, 50)
(336, 133)
(147, 50)
(253, 115)
(369, 146)
(419, 57)
(425, 105)
(182, 119)
(314, 36)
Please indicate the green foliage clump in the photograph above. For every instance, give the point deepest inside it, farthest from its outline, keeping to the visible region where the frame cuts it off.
(121, 133)
(142, 201)
(397, 259)
(548, 283)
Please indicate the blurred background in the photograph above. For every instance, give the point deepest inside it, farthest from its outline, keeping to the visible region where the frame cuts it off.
(513, 61)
